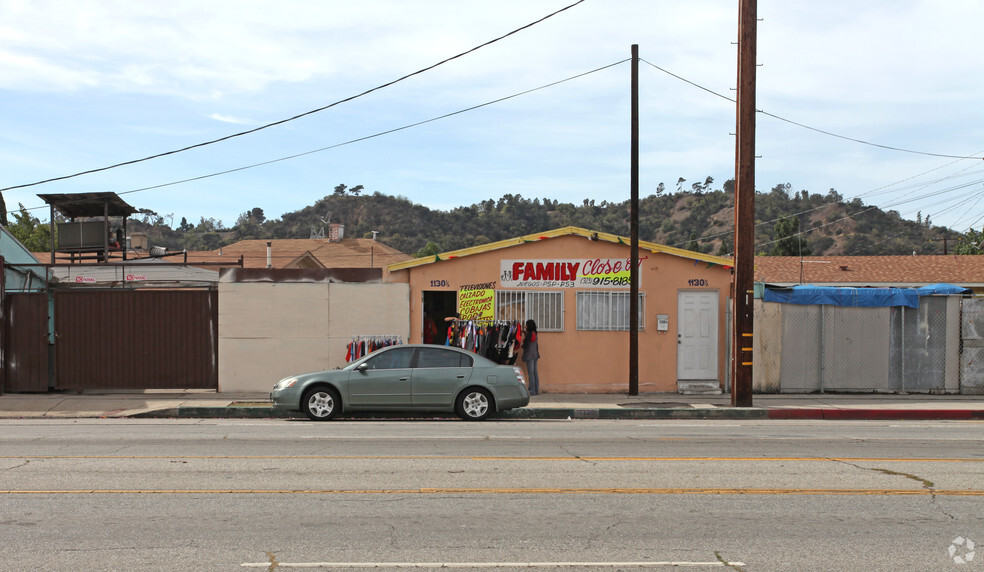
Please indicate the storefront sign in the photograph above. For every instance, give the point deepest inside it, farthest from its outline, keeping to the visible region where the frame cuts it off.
(477, 301)
(566, 273)
(85, 280)
(135, 277)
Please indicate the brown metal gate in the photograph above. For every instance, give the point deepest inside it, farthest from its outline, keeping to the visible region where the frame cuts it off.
(25, 361)
(136, 339)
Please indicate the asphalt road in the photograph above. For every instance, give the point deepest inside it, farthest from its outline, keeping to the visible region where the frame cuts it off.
(129, 494)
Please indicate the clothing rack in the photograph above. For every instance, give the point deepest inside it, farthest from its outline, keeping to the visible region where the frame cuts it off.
(364, 344)
(497, 340)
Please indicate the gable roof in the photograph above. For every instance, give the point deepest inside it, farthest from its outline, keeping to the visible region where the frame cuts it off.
(565, 231)
(859, 271)
(303, 253)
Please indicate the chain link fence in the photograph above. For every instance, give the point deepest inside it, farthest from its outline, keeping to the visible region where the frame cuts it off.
(806, 349)
(972, 348)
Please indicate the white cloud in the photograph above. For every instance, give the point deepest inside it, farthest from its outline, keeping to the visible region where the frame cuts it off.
(85, 83)
(230, 119)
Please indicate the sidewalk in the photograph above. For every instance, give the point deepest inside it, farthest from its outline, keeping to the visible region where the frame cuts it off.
(210, 404)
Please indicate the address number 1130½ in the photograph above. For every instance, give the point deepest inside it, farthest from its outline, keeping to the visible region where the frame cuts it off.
(697, 282)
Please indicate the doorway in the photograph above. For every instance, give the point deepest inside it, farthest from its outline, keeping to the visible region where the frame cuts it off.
(438, 305)
(697, 337)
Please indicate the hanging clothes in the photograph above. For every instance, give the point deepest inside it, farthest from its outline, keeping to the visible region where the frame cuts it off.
(361, 346)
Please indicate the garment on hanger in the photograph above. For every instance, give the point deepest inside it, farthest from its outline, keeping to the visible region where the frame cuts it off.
(363, 345)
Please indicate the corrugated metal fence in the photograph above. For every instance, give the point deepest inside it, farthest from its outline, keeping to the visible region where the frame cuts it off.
(845, 349)
(136, 339)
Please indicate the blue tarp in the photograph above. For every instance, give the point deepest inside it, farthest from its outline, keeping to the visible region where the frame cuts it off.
(856, 297)
(941, 289)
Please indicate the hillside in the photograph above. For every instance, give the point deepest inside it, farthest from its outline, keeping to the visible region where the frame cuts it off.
(697, 219)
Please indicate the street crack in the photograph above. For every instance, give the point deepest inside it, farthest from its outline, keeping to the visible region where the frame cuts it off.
(273, 561)
(926, 483)
(724, 562)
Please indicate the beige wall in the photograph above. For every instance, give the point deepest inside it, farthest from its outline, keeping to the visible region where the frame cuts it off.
(268, 331)
(575, 361)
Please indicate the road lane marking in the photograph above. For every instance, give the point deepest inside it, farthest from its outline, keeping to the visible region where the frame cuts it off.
(491, 565)
(505, 458)
(516, 491)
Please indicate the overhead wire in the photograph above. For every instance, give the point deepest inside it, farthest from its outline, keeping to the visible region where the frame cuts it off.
(379, 134)
(804, 126)
(300, 115)
(884, 189)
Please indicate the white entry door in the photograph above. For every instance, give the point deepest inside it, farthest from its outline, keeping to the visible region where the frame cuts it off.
(697, 335)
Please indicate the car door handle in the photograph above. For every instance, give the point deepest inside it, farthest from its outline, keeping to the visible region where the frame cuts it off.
(461, 377)
(404, 378)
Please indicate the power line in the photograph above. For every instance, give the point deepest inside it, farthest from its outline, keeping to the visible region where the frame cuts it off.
(282, 121)
(381, 133)
(367, 137)
(804, 126)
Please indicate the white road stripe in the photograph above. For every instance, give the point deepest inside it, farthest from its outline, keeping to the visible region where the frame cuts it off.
(489, 565)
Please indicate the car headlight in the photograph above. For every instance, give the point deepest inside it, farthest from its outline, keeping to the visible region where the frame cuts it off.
(285, 383)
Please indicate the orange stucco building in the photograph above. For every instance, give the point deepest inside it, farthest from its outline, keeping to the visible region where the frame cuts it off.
(574, 283)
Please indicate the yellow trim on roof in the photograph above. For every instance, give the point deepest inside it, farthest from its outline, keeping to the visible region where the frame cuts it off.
(565, 231)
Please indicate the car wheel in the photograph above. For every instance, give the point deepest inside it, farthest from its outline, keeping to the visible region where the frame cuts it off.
(320, 403)
(474, 404)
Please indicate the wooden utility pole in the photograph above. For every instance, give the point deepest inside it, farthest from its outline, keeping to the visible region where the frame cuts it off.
(634, 232)
(743, 284)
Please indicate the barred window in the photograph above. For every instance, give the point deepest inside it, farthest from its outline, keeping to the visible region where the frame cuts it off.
(545, 308)
(607, 311)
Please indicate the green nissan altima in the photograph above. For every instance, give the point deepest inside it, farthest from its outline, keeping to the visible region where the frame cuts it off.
(406, 378)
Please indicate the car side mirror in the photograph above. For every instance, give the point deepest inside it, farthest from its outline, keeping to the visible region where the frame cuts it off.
(362, 367)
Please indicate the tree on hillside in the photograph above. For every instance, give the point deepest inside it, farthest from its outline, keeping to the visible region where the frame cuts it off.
(970, 243)
(692, 244)
(665, 217)
(788, 240)
(430, 249)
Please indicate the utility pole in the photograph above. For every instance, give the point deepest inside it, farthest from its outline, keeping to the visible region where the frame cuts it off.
(743, 283)
(634, 232)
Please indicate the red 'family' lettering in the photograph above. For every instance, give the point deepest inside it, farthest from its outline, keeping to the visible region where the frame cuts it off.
(544, 271)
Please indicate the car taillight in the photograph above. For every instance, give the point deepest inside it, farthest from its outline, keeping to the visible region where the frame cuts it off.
(519, 374)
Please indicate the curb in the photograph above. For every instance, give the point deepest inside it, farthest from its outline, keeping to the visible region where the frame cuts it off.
(749, 413)
(876, 414)
(521, 413)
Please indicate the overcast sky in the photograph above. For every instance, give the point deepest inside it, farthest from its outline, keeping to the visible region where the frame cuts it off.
(86, 84)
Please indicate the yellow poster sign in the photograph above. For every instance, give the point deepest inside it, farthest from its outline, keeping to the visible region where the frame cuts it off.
(477, 302)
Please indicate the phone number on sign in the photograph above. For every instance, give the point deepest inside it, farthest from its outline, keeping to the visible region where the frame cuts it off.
(606, 281)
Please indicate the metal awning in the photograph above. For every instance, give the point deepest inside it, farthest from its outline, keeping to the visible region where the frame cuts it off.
(74, 205)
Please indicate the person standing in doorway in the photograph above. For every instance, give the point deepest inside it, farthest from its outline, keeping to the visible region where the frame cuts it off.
(531, 353)
(430, 329)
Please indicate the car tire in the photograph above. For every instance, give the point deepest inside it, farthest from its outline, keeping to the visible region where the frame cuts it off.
(474, 404)
(320, 403)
